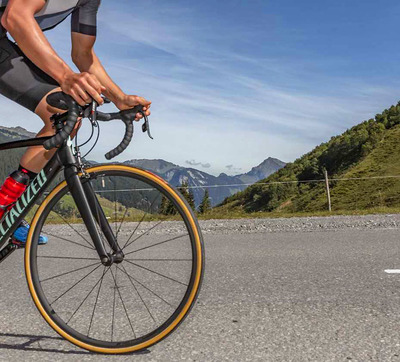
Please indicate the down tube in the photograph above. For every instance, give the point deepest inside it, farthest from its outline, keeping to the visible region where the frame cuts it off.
(13, 217)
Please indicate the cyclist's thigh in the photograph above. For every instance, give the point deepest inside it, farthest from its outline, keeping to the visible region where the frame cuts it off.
(20, 79)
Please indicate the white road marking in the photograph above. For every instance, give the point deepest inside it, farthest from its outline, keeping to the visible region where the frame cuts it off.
(392, 271)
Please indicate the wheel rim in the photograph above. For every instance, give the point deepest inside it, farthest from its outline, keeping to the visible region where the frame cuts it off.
(132, 274)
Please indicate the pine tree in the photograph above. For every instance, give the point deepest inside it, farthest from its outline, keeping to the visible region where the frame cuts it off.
(163, 205)
(205, 203)
(187, 193)
(183, 189)
(190, 199)
(170, 209)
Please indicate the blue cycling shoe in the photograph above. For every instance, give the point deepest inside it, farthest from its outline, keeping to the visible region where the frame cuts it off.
(21, 234)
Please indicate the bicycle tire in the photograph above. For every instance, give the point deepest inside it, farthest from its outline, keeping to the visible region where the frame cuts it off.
(180, 313)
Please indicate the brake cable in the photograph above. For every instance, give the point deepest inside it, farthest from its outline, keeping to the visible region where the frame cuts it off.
(97, 138)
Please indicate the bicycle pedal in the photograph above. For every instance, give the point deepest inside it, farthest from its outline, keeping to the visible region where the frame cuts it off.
(17, 244)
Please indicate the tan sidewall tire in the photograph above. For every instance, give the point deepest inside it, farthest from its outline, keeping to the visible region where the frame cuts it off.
(197, 280)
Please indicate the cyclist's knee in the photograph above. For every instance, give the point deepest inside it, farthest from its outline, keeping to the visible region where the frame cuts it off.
(44, 111)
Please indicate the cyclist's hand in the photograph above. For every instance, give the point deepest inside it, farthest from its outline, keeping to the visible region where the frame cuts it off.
(83, 87)
(132, 101)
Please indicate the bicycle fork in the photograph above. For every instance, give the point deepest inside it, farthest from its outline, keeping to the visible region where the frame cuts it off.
(101, 219)
(90, 209)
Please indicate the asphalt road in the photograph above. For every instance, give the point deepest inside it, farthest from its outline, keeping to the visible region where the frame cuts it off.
(281, 296)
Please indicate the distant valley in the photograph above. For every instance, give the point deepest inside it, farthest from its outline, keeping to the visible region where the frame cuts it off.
(219, 187)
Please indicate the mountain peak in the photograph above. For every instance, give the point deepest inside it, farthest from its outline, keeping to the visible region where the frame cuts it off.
(263, 170)
(158, 165)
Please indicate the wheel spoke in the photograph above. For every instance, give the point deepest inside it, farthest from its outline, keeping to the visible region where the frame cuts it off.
(159, 259)
(154, 272)
(97, 298)
(69, 241)
(63, 219)
(64, 257)
(137, 291)
(146, 233)
(87, 296)
(148, 289)
(153, 245)
(137, 226)
(69, 272)
(75, 285)
(120, 225)
(123, 304)
(113, 313)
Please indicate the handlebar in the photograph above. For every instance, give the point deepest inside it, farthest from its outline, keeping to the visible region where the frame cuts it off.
(65, 102)
(127, 117)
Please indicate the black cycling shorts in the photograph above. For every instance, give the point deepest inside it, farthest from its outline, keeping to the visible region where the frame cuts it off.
(20, 79)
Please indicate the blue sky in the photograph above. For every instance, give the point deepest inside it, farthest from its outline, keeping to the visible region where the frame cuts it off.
(234, 82)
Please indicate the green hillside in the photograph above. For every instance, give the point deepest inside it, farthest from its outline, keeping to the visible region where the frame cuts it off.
(369, 149)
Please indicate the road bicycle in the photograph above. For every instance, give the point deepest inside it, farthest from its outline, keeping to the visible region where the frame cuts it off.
(125, 258)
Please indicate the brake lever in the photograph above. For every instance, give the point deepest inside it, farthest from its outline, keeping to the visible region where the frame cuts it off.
(93, 112)
(146, 126)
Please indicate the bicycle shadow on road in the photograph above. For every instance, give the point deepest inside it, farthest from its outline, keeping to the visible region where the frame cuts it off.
(28, 345)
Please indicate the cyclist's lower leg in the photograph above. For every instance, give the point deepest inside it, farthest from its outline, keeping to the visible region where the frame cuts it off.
(34, 160)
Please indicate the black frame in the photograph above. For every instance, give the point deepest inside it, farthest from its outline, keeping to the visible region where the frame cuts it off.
(82, 193)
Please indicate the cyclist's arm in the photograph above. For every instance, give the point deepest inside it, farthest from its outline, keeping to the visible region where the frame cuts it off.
(19, 20)
(85, 58)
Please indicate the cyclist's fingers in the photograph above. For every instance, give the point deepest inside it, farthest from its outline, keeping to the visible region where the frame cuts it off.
(144, 102)
(94, 83)
(94, 94)
(84, 95)
(139, 116)
(77, 97)
(99, 85)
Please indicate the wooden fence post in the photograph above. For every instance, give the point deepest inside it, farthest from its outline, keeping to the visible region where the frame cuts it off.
(328, 193)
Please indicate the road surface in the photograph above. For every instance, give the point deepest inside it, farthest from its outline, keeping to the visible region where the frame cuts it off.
(283, 294)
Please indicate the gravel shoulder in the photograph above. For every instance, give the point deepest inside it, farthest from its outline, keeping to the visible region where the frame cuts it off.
(249, 226)
(301, 224)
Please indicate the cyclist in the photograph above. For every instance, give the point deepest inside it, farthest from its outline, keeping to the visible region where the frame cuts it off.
(30, 69)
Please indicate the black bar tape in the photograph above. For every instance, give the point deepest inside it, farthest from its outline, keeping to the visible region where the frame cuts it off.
(124, 144)
(127, 116)
(62, 100)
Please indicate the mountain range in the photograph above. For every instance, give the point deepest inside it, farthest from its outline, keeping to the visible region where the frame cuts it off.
(219, 187)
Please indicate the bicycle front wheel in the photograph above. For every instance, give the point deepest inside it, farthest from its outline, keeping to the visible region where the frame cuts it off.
(129, 306)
